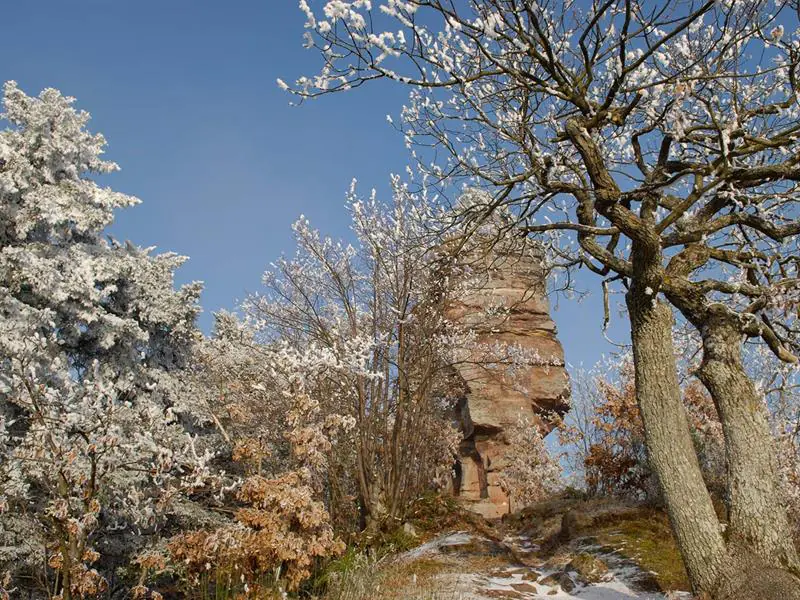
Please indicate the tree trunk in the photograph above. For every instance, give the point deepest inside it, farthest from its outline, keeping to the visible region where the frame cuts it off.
(669, 443)
(758, 520)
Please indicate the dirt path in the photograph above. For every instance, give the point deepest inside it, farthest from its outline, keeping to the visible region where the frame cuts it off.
(478, 568)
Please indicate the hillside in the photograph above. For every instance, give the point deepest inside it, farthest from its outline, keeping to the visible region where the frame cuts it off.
(561, 548)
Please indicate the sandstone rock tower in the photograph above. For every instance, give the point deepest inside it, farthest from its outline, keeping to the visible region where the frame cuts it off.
(504, 301)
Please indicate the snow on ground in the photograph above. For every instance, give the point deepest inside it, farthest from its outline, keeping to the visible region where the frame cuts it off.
(614, 588)
(534, 580)
(435, 546)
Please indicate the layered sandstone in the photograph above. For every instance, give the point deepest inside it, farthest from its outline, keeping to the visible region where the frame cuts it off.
(502, 298)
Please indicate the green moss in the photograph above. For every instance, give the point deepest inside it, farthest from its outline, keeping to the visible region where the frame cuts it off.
(589, 567)
(396, 540)
(646, 538)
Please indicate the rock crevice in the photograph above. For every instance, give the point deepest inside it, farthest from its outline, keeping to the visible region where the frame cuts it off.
(502, 298)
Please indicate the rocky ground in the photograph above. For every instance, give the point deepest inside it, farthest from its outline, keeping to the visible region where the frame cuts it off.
(562, 549)
(477, 568)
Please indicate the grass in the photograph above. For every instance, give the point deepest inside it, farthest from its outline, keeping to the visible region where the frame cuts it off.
(213, 586)
(367, 577)
(434, 513)
(370, 569)
(638, 533)
(395, 540)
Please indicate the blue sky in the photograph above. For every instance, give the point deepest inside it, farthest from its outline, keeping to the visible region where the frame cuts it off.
(185, 93)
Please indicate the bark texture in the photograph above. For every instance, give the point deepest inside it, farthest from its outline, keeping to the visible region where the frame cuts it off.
(758, 521)
(749, 578)
(757, 558)
(671, 451)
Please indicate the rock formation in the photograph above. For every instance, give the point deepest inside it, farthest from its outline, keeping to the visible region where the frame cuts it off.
(503, 300)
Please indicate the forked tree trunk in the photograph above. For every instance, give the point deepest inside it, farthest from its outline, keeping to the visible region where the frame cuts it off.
(757, 560)
(671, 451)
(758, 519)
(669, 444)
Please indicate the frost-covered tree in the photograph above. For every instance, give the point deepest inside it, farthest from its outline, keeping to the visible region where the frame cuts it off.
(377, 305)
(531, 472)
(654, 144)
(93, 336)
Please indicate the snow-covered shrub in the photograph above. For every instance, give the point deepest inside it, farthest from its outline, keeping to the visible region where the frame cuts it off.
(531, 472)
(376, 306)
(283, 526)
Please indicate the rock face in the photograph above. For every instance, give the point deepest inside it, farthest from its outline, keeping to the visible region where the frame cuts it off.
(504, 302)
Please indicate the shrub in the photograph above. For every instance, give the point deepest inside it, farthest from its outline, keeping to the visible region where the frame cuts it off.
(278, 536)
(531, 473)
(611, 445)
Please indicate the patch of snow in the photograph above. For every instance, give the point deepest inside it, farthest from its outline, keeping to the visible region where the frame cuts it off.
(452, 539)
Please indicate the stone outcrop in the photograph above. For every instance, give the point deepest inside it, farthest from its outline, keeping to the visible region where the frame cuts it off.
(503, 300)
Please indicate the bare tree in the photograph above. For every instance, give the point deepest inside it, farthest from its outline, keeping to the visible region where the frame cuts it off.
(377, 304)
(653, 144)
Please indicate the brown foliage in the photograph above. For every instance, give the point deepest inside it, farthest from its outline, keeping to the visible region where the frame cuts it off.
(615, 461)
(281, 532)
